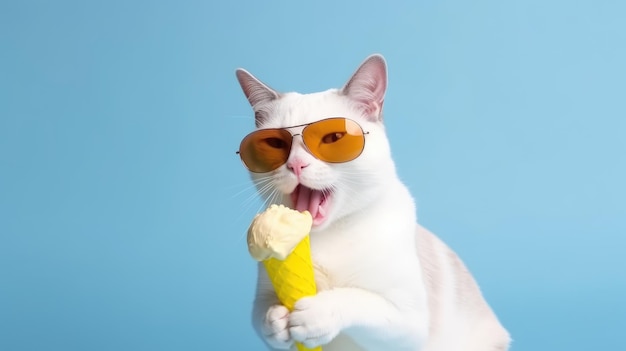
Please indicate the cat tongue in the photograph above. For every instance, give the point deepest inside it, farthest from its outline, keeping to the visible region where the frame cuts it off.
(308, 200)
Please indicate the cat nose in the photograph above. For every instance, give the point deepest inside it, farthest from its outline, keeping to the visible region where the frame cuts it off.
(296, 166)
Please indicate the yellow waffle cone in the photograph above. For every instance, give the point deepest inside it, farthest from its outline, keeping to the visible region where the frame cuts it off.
(293, 278)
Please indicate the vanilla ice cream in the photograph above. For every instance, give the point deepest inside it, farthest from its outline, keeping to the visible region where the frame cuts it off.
(276, 232)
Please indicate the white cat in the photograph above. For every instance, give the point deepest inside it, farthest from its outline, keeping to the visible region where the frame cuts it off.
(385, 282)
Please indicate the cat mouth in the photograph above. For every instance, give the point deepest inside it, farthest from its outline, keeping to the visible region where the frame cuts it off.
(312, 200)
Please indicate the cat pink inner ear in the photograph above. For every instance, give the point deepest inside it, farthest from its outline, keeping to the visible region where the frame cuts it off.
(256, 91)
(368, 84)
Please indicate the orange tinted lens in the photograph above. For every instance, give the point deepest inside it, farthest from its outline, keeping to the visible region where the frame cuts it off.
(265, 150)
(334, 140)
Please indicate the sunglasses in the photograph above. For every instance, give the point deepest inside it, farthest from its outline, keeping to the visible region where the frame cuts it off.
(333, 140)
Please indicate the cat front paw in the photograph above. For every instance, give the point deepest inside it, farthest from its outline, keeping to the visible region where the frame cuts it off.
(275, 328)
(315, 320)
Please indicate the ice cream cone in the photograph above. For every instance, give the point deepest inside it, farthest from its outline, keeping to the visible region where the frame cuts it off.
(279, 237)
(293, 278)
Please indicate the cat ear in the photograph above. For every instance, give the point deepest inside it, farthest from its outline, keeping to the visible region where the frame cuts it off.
(368, 84)
(256, 91)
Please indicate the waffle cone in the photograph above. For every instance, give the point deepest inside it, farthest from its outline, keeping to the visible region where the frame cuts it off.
(293, 278)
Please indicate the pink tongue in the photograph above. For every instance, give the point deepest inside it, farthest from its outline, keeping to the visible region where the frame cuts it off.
(308, 200)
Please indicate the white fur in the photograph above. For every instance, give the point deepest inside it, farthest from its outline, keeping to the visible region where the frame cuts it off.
(385, 283)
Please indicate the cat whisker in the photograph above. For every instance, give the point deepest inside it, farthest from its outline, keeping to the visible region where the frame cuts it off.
(255, 183)
(262, 186)
(244, 190)
(246, 183)
(273, 195)
(351, 191)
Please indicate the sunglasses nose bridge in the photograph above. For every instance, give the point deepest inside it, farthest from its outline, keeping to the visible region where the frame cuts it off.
(294, 133)
(298, 143)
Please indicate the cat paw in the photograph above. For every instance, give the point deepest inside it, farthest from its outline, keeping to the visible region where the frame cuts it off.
(315, 320)
(275, 328)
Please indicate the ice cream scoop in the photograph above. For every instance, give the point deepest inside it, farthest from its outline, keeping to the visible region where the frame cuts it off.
(276, 232)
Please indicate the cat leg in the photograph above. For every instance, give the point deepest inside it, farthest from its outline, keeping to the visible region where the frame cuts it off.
(366, 317)
(269, 317)
(274, 328)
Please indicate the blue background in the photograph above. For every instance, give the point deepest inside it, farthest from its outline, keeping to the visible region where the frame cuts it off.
(123, 207)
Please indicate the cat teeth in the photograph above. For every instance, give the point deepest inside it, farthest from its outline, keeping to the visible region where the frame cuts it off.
(321, 211)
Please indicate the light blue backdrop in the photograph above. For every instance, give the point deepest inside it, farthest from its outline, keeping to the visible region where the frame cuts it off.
(123, 207)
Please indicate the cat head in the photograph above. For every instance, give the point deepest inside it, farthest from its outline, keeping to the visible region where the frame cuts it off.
(329, 191)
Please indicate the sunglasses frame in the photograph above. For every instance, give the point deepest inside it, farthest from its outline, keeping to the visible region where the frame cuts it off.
(363, 132)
